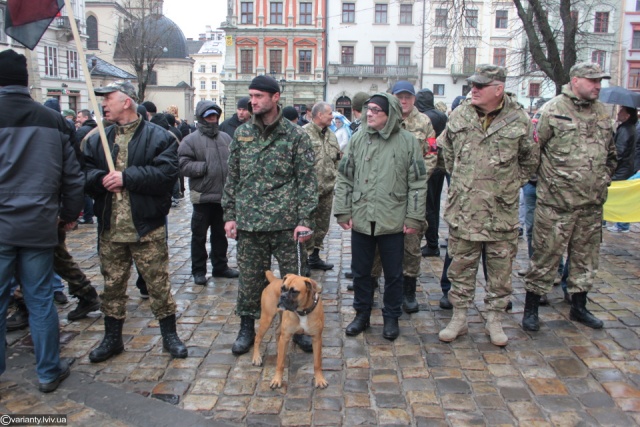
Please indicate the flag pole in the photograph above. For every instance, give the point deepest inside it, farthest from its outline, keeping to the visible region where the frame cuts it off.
(92, 94)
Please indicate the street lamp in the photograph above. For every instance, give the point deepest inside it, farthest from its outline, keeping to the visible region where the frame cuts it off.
(282, 81)
(224, 105)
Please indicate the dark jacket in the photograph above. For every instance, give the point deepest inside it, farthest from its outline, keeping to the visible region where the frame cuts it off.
(184, 128)
(149, 177)
(625, 138)
(40, 177)
(637, 160)
(230, 125)
(424, 104)
(85, 129)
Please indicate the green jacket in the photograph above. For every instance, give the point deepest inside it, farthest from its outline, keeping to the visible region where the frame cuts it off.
(271, 184)
(381, 178)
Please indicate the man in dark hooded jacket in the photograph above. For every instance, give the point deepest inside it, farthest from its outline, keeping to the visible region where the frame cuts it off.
(242, 115)
(424, 104)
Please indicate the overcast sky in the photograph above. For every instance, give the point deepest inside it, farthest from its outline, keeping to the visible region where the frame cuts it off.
(192, 16)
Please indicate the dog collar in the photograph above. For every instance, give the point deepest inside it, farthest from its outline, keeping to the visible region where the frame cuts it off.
(310, 309)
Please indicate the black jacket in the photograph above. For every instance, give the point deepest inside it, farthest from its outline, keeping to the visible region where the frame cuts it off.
(230, 125)
(85, 129)
(625, 138)
(149, 177)
(424, 104)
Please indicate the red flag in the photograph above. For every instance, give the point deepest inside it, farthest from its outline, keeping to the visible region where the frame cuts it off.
(26, 21)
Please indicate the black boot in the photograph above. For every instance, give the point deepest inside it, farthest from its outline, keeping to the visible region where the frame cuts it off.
(315, 263)
(579, 311)
(111, 343)
(20, 318)
(170, 340)
(86, 304)
(359, 324)
(304, 342)
(530, 320)
(390, 330)
(246, 336)
(444, 303)
(410, 305)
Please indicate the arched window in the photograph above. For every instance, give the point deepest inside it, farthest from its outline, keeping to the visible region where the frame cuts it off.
(92, 32)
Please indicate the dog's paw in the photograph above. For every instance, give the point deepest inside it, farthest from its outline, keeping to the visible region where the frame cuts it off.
(320, 381)
(276, 382)
(257, 360)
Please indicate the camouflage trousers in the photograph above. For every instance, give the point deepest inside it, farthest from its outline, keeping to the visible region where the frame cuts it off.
(254, 251)
(412, 256)
(322, 219)
(68, 269)
(152, 260)
(465, 255)
(579, 232)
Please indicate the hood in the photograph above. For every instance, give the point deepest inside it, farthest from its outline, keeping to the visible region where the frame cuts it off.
(424, 100)
(203, 106)
(53, 104)
(393, 122)
(160, 120)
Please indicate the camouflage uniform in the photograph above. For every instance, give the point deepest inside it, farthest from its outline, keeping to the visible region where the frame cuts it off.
(68, 269)
(489, 158)
(578, 158)
(327, 151)
(271, 189)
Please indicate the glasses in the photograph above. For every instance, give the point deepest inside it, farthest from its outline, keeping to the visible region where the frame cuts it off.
(481, 86)
(375, 110)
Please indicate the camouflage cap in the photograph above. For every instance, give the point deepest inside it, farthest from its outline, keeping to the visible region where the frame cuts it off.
(588, 70)
(486, 73)
(123, 86)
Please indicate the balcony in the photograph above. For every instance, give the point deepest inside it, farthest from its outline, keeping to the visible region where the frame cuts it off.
(63, 23)
(394, 72)
(462, 70)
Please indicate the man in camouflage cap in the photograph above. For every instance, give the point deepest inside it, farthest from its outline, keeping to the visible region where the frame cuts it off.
(490, 153)
(578, 158)
(124, 86)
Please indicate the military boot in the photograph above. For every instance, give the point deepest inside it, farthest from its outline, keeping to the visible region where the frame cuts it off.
(246, 336)
(111, 343)
(410, 305)
(170, 340)
(579, 312)
(86, 304)
(315, 263)
(494, 328)
(456, 327)
(359, 324)
(530, 321)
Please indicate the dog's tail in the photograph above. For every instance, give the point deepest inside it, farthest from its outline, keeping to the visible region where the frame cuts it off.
(270, 276)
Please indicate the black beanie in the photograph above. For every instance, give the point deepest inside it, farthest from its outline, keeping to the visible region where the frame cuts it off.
(290, 113)
(243, 103)
(150, 106)
(13, 69)
(381, 102)
(265, 84)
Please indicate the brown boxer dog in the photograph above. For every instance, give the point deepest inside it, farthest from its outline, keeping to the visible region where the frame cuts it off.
(299, 301)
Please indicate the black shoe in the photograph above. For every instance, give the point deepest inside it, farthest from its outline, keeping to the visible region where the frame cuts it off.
(111, 344)
(509, 306)
(348, 274)
(86, 304)
(304, 342)
(200, 279)
(428, 251)
(359, 324)
(19, 319)
(315, 263)
(579, 312)
(59, 297)
(444, 302)
(141, 284)
(409, 304)
(350, 286)
(520, 232)
(65, 370)
(567, 297)
(390, 330)
(530, 320)
(544, 300)
(246, 336)
(229, 273)
(306, 271)
(170, 340)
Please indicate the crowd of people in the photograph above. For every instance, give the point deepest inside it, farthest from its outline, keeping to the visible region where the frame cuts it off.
(271, 177)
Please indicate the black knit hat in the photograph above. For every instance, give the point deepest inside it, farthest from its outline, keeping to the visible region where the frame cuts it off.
(150, 106)
(13, 69)
(290, 113)
(243, 103)
(381, 102)
(265, 84)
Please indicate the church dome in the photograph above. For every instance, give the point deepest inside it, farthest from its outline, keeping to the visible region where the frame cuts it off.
(157, 31)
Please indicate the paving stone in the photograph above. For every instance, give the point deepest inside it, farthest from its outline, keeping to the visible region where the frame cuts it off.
(596, 400)
(452, 385)
(567, 368)
(514, 393)
(621, 390)
(360, 417)
(547, 386)
(610, 417)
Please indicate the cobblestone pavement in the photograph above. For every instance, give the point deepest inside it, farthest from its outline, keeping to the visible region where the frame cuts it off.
(564, 375)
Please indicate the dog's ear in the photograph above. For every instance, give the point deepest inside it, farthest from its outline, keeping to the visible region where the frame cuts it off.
(313, 286)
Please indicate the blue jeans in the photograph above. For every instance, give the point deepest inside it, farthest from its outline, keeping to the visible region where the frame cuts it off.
(34, 268)
(623, 225)
(363, 249)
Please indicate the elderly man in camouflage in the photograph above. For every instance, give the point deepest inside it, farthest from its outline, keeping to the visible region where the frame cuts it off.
(490, 153)
(269, 198)
(327, 153)
(578, 158)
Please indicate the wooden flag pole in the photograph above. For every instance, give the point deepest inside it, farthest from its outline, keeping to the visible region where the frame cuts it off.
(92, 95)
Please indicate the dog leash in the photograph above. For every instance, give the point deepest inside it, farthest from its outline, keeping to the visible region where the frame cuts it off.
(299, 248)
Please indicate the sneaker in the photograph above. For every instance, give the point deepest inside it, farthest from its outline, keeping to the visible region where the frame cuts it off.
(616, 229)
(59, 297)
(85, 221)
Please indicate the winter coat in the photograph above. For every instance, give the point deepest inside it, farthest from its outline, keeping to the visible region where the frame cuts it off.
(424, 104)
(625, 139)
(230, 125)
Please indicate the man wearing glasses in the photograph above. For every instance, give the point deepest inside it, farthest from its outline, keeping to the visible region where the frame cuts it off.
(490, 153)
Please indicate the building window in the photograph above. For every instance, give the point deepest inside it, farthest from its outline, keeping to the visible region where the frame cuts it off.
(404, 56)
(601, 24)
(92, 32)
(214, 68)
(50, 61)
(347, 55)
(304, 61)
(637, 5)
(406, 14)
(469, 60)
(379, 59)
(275, 61)
(500, 57)
(534, 90)
(471, 18)
(381, 13)
(440, 57)
(348, 13)
(203, 84)
(246, 12)
(438, 90)
(502, 18)
(246, 61)
(276, 13)
(214, 85)
(305, 13)
(635, 43)
(72, 64)
(634, 78)
(202, 69)
(441, 18)
(599, 57)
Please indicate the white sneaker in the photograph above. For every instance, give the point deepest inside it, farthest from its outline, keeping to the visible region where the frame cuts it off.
(616, 229)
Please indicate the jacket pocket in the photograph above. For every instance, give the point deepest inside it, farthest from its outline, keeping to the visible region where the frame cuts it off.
(509, 143)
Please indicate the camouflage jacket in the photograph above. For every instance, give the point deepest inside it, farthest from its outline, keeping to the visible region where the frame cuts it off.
(381, 179)
(271, 184)
(578, 153)
(420, 126)
(327, 153)
(487, 169)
